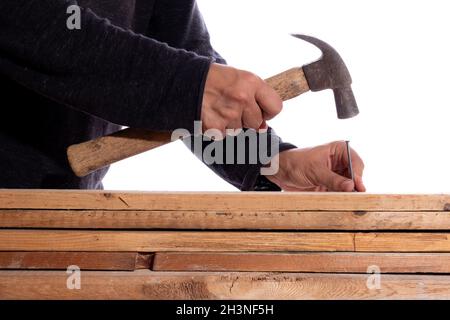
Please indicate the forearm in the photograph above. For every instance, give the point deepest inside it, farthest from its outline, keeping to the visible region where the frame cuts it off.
(195, 37)
(239, 160)
(100, 69)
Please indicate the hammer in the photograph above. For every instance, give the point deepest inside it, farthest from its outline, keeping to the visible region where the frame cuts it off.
(329, 72)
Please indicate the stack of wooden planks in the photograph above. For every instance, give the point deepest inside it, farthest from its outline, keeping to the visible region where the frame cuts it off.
(136, 245)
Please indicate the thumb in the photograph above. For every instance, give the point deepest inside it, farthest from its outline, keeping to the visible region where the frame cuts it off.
(335, 182)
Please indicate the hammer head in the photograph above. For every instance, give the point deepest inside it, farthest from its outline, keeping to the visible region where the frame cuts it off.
(330, 72)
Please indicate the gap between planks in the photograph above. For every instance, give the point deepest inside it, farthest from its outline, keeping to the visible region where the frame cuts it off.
(145, 284)
(219, 220)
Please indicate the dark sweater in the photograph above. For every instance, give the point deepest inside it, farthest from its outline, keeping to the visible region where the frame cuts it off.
(137, 63)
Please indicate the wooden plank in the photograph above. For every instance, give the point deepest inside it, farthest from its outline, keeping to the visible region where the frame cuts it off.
(304, 262)
(402, 242)
(145, 284)
(267, 201)
(233, 241)
(84, 260)
(152, 241)
(250, 220)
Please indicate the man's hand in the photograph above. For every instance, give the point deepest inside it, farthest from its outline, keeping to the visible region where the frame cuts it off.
(322, 168)
(235, 99)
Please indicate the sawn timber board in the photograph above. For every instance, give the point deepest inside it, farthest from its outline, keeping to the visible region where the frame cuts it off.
(145, 284)
(219, 220)
(267, 201)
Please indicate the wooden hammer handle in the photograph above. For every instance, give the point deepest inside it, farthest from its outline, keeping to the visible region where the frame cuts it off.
(289, 84)
(87, 157)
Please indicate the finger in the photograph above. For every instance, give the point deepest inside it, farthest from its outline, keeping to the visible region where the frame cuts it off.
(305, 189)
(215, 134)
(234, 128)
(319, 189)
(263, 125)
(359, 185)
(236, 124)
(357, 163)
(252, 117)
(341, 158)
(333, 181)
(213, 129)
(269, 101)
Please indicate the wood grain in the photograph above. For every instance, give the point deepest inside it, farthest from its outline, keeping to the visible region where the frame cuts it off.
(145, 284)
(289, 84)
(225, 202)
(90, 156)
(403, 242)
(219, 220)
(234, 241)
(153, 241)
(84, 260)
(339, 236)
(337, 262)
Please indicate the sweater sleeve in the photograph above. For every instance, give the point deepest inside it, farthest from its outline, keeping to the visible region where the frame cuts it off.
(192, 34)
(239, 159)
(100, 69)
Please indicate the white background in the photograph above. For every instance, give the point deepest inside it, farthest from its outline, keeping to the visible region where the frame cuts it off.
(398, 53)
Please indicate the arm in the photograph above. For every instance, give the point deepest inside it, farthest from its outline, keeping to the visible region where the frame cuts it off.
(192, 34)
(226, 153)
(322, 168)
(101, 69)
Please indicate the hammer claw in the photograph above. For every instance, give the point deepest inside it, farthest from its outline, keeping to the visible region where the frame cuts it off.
(330, 72)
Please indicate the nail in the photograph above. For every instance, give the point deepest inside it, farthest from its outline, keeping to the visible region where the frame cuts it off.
(350, 165)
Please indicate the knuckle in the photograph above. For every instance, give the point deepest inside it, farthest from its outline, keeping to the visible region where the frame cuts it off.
(250, 77)
(362, 165)
(241, 96)
(276, 108)
(230, 111)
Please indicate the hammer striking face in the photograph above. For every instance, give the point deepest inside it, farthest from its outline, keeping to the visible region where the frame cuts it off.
(330, 72)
